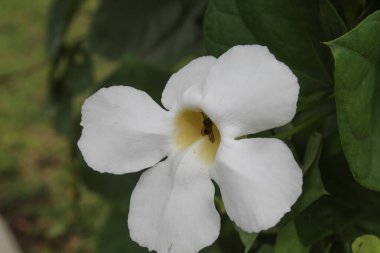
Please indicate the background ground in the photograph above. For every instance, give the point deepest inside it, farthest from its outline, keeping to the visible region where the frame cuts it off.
(37, 191)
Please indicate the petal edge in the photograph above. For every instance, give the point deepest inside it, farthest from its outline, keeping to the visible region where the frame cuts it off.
(248, 91)
(192, 74)
(124, 130)
(259, 181)
(172, 207)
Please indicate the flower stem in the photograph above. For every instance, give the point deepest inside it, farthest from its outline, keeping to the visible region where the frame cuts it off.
(306, 124)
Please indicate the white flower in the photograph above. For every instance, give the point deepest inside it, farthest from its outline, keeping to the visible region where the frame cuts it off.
(211, 103)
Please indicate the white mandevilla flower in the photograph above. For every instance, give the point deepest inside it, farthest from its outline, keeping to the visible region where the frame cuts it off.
(211, 103)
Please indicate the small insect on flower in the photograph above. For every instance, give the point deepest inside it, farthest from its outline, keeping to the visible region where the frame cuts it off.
(211, 103)
(207, 128)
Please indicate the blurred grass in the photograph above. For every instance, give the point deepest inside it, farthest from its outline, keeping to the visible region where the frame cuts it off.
(39, 197)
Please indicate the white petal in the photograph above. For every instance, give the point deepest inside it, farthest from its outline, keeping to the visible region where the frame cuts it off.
(248, 91)
(192, 74)
(172, 207)
(259, 181)
(124, 130)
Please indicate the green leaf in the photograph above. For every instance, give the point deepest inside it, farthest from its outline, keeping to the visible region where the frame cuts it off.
(293, 31)
(352, 11)
(349, 210)
(139, 74)
(318, 220)
(224, 27)
(357, 75)
(332, 24)
(162, 30)
(61, 14)
(366, 244)
(288, 241)
(113, 236)
(246, 238)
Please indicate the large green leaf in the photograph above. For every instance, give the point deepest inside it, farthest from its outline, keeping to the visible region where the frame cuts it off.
(357, 75)
(332, 24)
(162, 30)
(293, 31)
(224, 27)
(139, 74)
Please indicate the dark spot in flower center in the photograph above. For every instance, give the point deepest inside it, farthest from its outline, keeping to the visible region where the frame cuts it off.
(207, 128)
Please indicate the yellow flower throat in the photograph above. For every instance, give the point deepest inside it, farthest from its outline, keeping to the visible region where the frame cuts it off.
(193, 126)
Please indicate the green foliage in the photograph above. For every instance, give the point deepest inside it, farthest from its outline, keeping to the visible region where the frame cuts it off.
(224, 27)
(348, 211)
(113, 236)
(139, 74)
(288, 241)
(247, 239)
(266, 249)
(212, 249)
(357, 75)
(293, 31)
(163, 31)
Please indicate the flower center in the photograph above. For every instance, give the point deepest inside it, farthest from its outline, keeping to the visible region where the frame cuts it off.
(193, 126)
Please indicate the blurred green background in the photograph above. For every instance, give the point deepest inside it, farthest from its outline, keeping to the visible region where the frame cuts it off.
(38, 194)
(55, 53)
